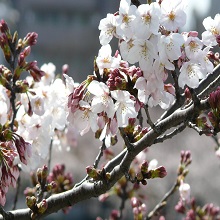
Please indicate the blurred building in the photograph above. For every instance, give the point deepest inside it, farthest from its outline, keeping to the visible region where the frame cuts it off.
(67, 31)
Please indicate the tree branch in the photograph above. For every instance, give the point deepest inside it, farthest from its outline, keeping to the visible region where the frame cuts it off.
(207, 85)
(170, 135)
(117, 167)
(135, 2)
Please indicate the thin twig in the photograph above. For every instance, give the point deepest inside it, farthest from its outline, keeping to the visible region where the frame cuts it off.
(149, 121)
(95, 165)
(163, 201)
(140, 118)
(170, 135)
(123, 200)
(176, 84)
(50, 155)
(194, 127)
(100, 154)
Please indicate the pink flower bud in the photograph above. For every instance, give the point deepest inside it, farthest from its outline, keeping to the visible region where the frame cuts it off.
(184, 190)
(30, 39)
(65, 68)
(4, 27)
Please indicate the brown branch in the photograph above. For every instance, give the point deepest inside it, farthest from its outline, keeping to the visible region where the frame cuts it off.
(117, 167)
(207, 85)
(135, 2)
(170, 135)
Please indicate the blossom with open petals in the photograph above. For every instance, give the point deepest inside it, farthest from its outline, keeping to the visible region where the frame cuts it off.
(124, 107)
(170, 46)
(107, 26)
(143, 52)
(212, 27)
(125, 27)
(147, 20)
(173, 14)
(84, 118)
(190, 74)
(105, 59)
(101, 100)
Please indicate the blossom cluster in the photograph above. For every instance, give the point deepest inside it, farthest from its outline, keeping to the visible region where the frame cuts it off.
(148, 37)
(42, 113)
(36, 110)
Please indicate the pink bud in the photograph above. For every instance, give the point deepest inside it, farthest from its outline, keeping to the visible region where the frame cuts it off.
(184, 191)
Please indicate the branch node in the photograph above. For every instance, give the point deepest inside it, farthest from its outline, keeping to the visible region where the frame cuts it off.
(128, 144)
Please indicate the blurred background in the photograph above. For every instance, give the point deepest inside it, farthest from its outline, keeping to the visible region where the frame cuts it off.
(68, 34)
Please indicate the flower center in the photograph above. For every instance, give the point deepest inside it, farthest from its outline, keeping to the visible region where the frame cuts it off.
(190, 72)
(146, 18)
(172, 16)
(126, 19)
(193, 46)
(214, 31)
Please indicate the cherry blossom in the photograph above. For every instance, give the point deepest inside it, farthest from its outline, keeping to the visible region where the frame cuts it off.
(105, 59)
(84, 118)
(212, 27)
(124, 27)
(173, 15)
(107, 26)
(49, 69)
(190, 73)
(205, 61)
(124, 107)
(147, 20)
(102, 100)
(143, 52)
(193, 47)
(170, 47)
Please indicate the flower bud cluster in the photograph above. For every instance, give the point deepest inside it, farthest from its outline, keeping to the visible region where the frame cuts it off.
(184, 188)
(139, 209)
(47, 183)
(36, 208)
(147, 172)
(11, 147)
(214, 114)
(193, 211)
(15, 49)
(97, 174)
(185, 161)
(40, 183)
(59, 180)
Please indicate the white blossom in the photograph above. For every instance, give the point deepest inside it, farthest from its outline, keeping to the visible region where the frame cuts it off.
(107, 26)
(102, 100)
(124, 22)
(147, 20)
(173, 14)
(105, 59)
(212, 27)
(190, 74)
(124, 107)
